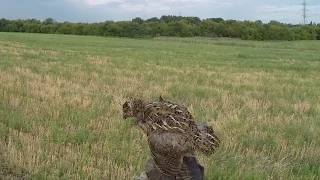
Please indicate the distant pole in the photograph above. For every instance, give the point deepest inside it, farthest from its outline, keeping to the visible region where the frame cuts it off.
(304, 11)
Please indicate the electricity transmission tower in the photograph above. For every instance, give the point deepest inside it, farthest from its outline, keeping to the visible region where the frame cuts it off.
(304, 11)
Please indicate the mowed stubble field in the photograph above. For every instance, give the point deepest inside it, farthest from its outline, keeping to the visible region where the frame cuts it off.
(61, 98)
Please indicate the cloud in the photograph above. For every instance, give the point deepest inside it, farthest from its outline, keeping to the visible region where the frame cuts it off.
(314, 10)
(147, 8)
(152, 8)
(265, 10)
(138, 2)
(286, 13)
(102, 2)
(280, 9)
(101, 10)
(135, 5)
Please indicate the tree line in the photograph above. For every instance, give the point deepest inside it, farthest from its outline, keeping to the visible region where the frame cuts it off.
(174, 26)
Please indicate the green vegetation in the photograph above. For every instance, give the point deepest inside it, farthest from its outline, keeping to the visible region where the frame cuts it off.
(173, 26)
(61, 99)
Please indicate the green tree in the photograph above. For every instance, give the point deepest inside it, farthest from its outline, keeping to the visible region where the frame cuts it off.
(152, 20)
(170, 26)
(137, 20)
(11, 27)
(3, 24)
(48, 21)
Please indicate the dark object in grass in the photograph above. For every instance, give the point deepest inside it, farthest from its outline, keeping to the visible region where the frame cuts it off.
(195, 170)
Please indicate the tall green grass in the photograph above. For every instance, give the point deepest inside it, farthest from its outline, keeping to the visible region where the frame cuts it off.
(61, 98)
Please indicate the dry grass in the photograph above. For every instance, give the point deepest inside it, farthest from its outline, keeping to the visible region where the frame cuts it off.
(61, 105)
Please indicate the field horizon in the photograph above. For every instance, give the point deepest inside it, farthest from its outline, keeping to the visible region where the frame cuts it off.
(61, 99)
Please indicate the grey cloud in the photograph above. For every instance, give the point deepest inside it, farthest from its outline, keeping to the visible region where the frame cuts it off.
(101, 10)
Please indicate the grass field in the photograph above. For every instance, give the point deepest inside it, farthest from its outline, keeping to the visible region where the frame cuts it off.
(61, 98)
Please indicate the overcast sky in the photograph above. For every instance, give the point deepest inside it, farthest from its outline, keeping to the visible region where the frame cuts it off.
(288, 11)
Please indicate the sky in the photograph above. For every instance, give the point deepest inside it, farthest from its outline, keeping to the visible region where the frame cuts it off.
(286, 11)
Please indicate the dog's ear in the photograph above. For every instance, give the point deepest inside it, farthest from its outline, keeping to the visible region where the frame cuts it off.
(161, 98)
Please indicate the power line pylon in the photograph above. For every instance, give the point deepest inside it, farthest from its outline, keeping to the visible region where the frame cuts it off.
(304, 11)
